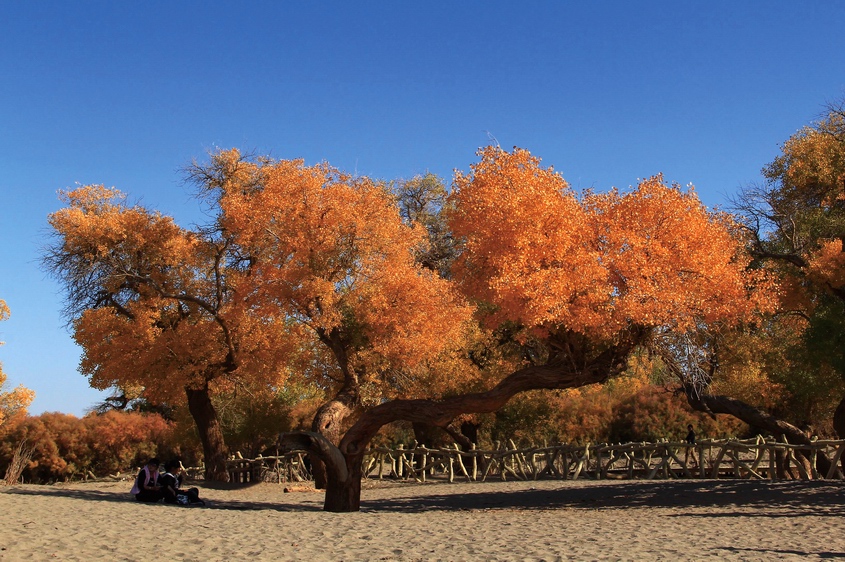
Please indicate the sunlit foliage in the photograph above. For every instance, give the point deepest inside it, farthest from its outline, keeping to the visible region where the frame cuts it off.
(551, 261)
(66, 447)
(13, 402)
(796, 224)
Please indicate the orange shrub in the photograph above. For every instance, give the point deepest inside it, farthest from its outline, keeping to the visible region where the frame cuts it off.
(67, 447)
(118, 441)
(623, 410)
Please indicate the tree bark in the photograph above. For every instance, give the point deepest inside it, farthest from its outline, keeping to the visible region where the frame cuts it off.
(839, 427)
(328, 422)
(344, 496)
(431, 435)
(465, 436)
(470, 432)
(343, 493)
(211, 435)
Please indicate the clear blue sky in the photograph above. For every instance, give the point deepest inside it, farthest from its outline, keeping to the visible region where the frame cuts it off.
(127, 93)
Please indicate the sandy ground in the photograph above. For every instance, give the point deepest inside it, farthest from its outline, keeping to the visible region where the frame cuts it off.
(544, 520)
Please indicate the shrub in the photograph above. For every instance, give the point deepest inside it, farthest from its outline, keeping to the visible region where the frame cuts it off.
(66, 447)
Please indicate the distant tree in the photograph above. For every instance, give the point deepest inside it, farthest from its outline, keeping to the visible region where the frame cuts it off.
(13, 402)
(66, 447)
(160, 310)
(796, 225)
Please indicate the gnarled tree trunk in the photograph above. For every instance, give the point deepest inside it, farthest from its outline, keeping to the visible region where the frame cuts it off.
(343, 492)
(469, 430)
(839, 427)
(211, 435)
(328, 422)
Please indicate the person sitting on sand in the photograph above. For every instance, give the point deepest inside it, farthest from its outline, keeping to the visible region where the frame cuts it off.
(147, 487)
(171, 483)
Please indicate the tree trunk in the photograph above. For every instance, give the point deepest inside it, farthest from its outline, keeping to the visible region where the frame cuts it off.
(345, 496)
(758, 418)
(470, 432)
(208, 426)
(343, 493)
(428, 435)
(460, 437)
(328, 422)
(344, 463)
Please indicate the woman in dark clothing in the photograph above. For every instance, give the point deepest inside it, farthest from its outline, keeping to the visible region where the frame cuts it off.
(171, 483)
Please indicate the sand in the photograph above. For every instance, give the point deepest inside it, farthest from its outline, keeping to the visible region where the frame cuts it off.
(543, 520)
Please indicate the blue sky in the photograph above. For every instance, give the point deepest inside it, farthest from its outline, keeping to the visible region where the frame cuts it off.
(125, 94)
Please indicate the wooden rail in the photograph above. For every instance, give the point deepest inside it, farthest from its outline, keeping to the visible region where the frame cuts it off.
(751, 458)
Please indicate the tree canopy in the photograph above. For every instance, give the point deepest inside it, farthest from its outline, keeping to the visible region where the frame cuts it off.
(600, 264)
(160, 308)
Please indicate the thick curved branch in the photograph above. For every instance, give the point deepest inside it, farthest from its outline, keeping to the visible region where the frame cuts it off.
(553, 375)
(755, 417)
(794, 259)
(318, 446)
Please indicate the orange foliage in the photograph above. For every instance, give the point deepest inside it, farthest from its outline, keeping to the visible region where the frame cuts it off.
(747, 363)
(13, 403)
(159, 311)
(331, 252)
(530, 248)
(651, 257)
(68, 447)
(827, 265)
(671, 262)
(805, 198)
(812, 165)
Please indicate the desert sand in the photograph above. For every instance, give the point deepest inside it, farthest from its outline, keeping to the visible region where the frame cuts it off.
(542, 520)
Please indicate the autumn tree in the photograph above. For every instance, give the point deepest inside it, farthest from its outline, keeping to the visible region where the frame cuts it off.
(161, 309)
(331, 254)
(298, 261)
(582, 281)
(13, 402)
(796, 224)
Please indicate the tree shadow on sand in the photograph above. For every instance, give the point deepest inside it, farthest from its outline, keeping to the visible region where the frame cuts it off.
(747, 498)
(125, 497)
(780, 552)
(772, 499)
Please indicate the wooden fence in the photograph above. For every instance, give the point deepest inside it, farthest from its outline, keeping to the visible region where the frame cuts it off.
(752, 458)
